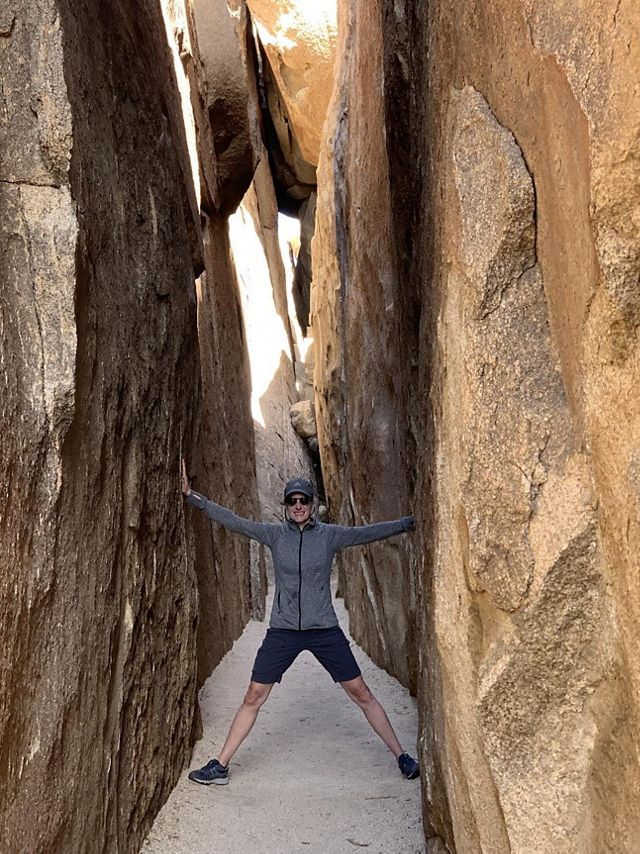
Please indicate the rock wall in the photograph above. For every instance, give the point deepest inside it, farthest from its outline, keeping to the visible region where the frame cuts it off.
(213, 64)
(100, 238)
(519, 137)
(518, 589)
(249, 279)
(231, 579)
(365, 353)
(551, 606)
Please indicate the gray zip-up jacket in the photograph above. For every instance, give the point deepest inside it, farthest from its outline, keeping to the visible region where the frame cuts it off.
(302, 560)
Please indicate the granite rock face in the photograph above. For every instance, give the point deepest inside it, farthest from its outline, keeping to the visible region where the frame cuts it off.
(360, 345)
(304, 267)
(100, 238)
(222, 457)
(511, 283)
(518, 588)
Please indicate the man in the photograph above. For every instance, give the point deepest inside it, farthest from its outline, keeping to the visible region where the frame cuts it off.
(302, 616)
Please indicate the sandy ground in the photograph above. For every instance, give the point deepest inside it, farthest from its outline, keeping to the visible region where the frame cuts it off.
(311, 777)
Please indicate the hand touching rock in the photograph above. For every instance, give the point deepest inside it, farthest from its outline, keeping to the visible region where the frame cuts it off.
(186, 487)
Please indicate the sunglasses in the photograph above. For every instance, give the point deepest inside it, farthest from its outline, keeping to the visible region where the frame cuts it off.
(302, 499)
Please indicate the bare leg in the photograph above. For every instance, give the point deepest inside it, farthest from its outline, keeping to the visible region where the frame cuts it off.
(359, 692)
(245, 718)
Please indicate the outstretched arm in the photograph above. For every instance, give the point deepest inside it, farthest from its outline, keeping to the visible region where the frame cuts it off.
(260, 531)
(344, 536)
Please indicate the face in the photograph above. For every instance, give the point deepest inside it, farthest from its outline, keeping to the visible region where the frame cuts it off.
(297, 511)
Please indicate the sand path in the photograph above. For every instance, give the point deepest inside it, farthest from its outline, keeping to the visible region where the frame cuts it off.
(311, 777)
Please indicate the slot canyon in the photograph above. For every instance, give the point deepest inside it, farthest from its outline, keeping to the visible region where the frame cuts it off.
(392, 246)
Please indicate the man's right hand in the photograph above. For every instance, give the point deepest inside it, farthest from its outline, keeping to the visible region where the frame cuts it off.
(186, 488)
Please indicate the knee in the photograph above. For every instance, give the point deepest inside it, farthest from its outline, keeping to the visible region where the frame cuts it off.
(361, 695)
(254, 698)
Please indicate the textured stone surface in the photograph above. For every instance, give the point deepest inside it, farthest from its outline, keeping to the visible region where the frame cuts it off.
(99, 239)
(518, 585)
(230, 571)
(523, 123)
(359, 345)
(303, 418)
(227, 474)
(217, 51)
(304, 267)
(299, 40)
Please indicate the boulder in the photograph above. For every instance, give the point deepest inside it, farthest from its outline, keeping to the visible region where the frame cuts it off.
(219, 57)
(303, 418)
(299, 41)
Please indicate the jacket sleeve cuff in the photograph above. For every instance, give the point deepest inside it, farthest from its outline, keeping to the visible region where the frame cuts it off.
(195, 499)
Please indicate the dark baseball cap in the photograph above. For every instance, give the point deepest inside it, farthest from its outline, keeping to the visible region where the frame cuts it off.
(301, 485)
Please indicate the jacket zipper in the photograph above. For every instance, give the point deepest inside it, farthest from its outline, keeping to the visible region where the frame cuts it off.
(300, 582)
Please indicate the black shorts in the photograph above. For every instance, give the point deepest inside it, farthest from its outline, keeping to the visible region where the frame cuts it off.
(281, 647)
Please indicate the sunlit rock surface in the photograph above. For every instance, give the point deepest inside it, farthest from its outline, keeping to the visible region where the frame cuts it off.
(303, 419)
(519, 604)
(271, 340)
(299, 41)
(217, 51)
(475, 312)
(515, 129)
(303, 271)
(363, 350)
(221, 459)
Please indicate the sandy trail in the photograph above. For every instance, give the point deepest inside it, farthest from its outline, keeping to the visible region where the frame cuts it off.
(311, 777)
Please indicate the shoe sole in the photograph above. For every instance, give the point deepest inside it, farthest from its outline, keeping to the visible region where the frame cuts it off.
(221, 781)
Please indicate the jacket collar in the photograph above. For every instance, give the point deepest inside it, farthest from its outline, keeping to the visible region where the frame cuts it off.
(312, 522)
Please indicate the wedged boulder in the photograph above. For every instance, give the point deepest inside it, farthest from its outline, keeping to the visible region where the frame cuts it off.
(299, 41)
(303, 418)
(214, 61)
(222, 72)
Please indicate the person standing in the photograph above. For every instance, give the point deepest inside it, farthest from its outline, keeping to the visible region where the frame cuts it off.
(302, 615)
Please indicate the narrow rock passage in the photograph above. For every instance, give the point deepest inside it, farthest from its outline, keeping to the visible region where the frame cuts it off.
(312, 776)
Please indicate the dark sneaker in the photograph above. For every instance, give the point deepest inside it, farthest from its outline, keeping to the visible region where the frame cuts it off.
(408, 766)
(213, 772)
